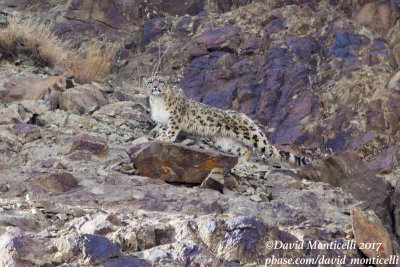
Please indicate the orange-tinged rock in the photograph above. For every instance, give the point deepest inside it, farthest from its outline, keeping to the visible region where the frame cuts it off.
(371, 237)
(178, 163)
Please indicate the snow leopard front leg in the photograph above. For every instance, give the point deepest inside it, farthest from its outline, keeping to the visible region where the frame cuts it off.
(169, 133)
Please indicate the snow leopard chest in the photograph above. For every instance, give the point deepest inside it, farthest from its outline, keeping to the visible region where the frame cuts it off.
(159, 111)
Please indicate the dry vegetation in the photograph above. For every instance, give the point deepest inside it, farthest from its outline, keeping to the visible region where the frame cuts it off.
(36, 40)
(93, 63)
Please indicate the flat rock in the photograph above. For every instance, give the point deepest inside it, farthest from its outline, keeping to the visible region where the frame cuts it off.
(127, 261)
(384, 162)
(225, 38)
(31, 88)
(179, 8)
(55, 182)
(106, 15)
(82, 99)
(88, 143)
(128, 110)
(178, 163)
(25, 132)
(348, 171)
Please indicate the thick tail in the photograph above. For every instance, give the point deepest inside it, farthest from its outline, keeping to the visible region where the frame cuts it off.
(294, 159)
(253, 137)
(286, 156)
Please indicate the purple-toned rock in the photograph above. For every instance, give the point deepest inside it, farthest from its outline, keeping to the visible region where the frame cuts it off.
(346, 45)
(55, 182)
(384, 162)
(251, 46)
(98, 248)
(12, 239)
(88, 143)
(127, 261)
(244, 235)
(97, 224)
(348, 171)
(110, 14)
(152, 29)
(68, 246)
(48, 163)
(13, 3)
(211, 89)
(12, 247)
(179, 8)
(25, 132)
(272, 89)
(178, 163)
(227, 5)
(223, 39)
(282, 3)
(198, 52)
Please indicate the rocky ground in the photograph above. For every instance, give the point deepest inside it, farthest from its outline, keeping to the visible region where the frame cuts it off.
(82, 183)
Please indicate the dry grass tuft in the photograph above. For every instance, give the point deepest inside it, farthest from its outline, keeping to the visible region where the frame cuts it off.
(36, 40)
(92, 64)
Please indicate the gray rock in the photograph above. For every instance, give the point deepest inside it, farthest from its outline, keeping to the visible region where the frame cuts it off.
(12, 239)
(31, 87)
(215, 180)
(13, 114)
(68, 247)
(98, 248)
(82, 99)
(145, 237)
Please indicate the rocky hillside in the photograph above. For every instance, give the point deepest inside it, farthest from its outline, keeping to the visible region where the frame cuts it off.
(82, 183)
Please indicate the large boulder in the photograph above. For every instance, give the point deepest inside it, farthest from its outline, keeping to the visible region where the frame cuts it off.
(348, 171)
(82, 99)
(58, 182)
(372, 238)
(178, 163)
(226, 38)
(31, 88)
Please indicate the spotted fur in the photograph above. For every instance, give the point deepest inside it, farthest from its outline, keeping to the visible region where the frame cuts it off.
(229, 130)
